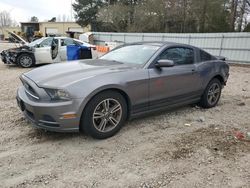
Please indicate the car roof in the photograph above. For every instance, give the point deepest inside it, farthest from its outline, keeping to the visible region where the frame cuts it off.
(160, 43)
(58, 37)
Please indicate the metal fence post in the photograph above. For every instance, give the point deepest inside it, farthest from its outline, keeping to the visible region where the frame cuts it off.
(110, 37)
(163, 37)
(124, 38)
(142, 37)
(189, 39)
(221, 44)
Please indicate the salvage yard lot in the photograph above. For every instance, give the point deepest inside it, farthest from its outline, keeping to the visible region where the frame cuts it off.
(185, 147)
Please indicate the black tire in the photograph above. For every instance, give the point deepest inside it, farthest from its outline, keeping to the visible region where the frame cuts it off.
(26, 60)
(207, 99)
(93, 126)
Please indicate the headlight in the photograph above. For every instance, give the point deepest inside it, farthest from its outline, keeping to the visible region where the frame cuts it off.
(57, 94)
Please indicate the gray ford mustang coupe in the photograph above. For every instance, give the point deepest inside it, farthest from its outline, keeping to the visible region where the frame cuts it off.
(98, 96)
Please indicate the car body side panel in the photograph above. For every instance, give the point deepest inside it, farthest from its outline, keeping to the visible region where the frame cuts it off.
(172, 85)
(42, 55)
(133, 83)
(173, 81)
(63, 53)
(210, 69)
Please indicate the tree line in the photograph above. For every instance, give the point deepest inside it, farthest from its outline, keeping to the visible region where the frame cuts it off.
(173, 16)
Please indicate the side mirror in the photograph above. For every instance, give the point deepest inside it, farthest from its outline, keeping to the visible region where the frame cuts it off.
(164, 63)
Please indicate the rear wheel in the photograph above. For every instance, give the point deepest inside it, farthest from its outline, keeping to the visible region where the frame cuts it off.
(25, 60)
(212, 94)
(104, 115)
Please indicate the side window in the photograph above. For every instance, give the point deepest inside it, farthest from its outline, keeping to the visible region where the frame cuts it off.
(180, 56)
(46, 43)
(66, 42)
(205, 56)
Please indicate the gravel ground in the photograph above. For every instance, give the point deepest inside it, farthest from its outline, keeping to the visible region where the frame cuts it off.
(185, 147)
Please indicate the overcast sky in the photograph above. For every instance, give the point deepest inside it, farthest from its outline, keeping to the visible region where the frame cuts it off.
(23, 10)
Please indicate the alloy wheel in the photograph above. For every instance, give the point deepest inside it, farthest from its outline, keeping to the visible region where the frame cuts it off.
(26, 61)
(107, 115)
(213, 93)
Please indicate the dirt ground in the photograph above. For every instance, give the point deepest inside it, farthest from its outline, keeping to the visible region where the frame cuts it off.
(185, 147)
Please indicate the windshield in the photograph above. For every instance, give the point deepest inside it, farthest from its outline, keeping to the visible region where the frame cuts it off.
(36, 42)
(132, 54)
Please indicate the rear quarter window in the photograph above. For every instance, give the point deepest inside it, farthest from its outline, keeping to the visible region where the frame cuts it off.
(204, 56)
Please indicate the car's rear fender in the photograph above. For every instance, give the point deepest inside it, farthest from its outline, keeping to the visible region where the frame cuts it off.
(220, 70)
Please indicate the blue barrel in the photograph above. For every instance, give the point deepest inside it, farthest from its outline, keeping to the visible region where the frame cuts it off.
(73, 52)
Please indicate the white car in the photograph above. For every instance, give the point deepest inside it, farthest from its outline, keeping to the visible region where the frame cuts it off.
(44, 50)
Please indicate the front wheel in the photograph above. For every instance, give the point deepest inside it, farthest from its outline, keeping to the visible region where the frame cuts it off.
(104, 115)
(25, 60)
(212, 93)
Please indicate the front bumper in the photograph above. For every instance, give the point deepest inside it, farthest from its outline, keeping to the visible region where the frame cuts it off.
(8, 58)
(49, 115)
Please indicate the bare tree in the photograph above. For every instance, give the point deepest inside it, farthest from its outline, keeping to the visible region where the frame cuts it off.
(233, 12)
(5, 19)
(64, 18)
(34, 19)
(243, 11)
(58, 19)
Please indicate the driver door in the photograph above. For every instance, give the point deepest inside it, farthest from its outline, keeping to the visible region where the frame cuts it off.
(54, 51)
(177, 84)
(42, 51)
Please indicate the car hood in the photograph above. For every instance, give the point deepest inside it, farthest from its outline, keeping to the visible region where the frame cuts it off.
(17, 38)
(61, 75)
(18, 49)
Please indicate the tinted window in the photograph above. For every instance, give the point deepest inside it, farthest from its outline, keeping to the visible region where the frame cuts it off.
(134, 54)
(180, 56)
(205, 56)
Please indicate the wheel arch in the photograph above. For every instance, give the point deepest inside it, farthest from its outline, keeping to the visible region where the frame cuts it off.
(220, 78)
(116, 89)
(27, 52)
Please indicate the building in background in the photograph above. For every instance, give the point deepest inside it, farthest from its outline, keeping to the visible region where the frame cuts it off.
(60, 28)
(52, 28)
